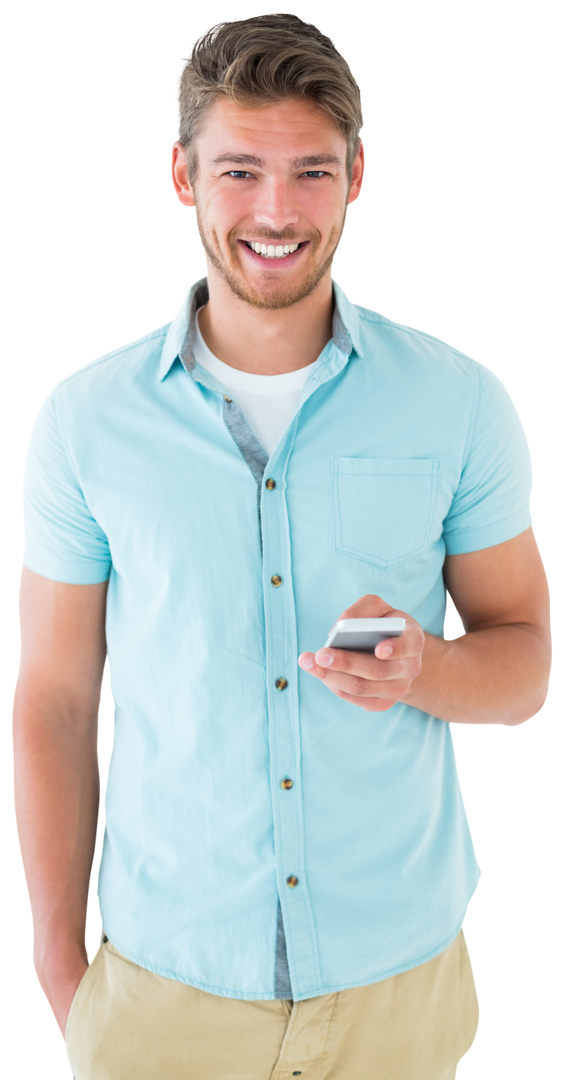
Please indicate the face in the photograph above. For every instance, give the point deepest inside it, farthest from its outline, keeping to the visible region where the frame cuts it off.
(271, 193)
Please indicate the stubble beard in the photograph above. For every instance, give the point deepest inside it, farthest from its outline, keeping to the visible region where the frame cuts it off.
(285, 295)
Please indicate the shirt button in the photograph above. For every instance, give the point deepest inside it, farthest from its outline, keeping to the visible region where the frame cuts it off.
(276, 580)
(281, 684)
(270, 485)
(228, 399)
(292, 881)
(286, 783)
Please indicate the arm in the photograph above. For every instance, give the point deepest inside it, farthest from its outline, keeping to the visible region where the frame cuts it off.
(56, 770)
(496, 677)
(497, 672)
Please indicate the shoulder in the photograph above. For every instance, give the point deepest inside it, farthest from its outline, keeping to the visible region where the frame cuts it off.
(109, 372)
(375, 328)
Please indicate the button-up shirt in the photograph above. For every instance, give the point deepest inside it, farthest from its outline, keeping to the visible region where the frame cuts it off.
(264, 837)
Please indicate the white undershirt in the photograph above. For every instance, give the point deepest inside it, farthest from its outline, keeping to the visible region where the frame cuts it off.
(268, 401)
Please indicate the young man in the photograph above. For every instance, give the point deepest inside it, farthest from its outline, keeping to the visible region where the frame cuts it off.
(287, 862)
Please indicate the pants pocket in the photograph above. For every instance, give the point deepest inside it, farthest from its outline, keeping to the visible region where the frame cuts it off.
(80, 1008)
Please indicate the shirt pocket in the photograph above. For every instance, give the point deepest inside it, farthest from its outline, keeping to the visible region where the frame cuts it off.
(383, 507)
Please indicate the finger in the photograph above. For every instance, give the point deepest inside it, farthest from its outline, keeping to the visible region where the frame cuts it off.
(368, 704)
(368, 607)
(365, 665)
(353, 685)
(361, 670)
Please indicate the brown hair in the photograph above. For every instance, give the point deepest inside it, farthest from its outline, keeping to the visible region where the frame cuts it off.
(265, 59)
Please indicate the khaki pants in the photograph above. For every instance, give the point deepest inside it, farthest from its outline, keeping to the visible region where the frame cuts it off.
(126, 1023)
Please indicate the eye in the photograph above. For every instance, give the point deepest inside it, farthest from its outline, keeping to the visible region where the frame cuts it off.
(315, 175)
(239, 174)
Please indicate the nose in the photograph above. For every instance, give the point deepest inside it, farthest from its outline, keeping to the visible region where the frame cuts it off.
(275, 207)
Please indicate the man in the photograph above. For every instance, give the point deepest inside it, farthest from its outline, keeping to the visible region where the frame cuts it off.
(287, 862)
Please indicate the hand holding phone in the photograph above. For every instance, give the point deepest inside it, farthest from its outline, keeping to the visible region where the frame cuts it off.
(362, 662)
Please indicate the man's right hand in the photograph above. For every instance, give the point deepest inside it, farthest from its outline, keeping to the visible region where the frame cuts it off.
(59, 978)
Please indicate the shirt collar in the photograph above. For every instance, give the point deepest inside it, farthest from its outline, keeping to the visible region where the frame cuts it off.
(179, 340)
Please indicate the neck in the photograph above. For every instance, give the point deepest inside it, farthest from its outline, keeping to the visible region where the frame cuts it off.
(266, 342)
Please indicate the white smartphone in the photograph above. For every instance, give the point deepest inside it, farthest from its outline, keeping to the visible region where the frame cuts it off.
(363, 635)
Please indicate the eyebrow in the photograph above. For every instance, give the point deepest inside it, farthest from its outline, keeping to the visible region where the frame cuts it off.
(311, 162)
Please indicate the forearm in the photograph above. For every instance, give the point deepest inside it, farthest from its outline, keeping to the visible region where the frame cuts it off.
(497, 675)
(57, 794)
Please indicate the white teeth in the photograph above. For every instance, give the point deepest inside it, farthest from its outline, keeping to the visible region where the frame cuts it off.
(272, 252)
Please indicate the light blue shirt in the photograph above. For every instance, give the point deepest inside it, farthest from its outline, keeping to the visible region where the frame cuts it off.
(401, 450)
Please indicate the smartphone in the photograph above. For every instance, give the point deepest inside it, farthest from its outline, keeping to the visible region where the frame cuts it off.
(363, 635)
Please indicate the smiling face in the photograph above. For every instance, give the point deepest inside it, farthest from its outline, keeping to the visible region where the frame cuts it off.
(270, 192)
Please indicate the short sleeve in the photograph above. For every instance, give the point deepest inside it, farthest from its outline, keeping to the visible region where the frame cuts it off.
(62, 539)
(491, 503)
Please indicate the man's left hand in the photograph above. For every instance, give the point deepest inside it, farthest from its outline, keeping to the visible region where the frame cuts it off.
(373, 681)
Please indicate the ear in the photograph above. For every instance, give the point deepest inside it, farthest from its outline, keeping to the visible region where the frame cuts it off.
(357, 174)
(180, 177)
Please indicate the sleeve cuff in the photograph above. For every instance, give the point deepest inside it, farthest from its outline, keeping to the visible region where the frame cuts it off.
(70, 573)
(462, 541)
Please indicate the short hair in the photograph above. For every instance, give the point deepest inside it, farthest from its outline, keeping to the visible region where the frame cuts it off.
(265, 59)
